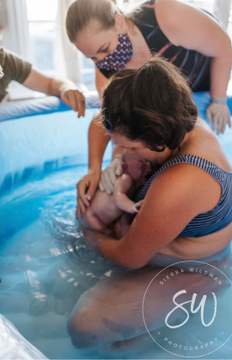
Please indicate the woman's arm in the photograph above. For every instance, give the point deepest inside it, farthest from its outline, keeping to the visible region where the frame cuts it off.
(165, 212)
(197, 247)
(97, 142)
(98, 139)
(97, 136)
(64, 89)
(100, 82)
(193, 29)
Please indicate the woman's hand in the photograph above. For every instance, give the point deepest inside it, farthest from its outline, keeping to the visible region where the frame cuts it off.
(219, 116)
(75, 99)
(90, 236)
(65, 89)
(86, 189)
(94, 238)
(109, 175)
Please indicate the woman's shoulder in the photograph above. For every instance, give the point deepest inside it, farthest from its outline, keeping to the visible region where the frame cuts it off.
(186, 169)
(204, 143)
(182, 183)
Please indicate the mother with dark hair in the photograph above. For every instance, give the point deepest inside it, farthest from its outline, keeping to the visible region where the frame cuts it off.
(186, 212)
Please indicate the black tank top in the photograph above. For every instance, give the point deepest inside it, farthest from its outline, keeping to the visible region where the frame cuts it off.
(194, 65)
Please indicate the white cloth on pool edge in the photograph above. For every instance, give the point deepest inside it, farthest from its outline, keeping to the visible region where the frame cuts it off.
(13, 345)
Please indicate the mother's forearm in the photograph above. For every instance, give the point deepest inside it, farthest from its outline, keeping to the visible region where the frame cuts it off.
(108, 246)
(113, 249)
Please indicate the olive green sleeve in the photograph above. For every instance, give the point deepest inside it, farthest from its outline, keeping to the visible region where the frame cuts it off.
(15, 68)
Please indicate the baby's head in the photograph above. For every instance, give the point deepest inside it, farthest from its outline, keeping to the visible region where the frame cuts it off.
(134, 166)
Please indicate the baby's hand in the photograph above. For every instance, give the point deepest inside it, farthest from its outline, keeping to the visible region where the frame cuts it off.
(137, 206)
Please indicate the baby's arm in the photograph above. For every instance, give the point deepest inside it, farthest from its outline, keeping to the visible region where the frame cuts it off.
(122, 185)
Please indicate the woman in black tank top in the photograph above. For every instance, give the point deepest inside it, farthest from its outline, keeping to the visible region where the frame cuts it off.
(193, 64)
(162, 24)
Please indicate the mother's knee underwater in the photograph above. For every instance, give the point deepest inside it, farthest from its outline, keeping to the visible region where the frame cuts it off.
(86, 326)
(80, 332)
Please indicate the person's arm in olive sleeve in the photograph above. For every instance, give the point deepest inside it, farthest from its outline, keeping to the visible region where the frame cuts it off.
(15, 68)
(22, 71)
(62, 88)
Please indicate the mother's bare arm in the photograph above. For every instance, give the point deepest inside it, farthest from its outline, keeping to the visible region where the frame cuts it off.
(192, 247)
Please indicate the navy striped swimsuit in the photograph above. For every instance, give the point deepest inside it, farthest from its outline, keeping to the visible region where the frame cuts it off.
(217, 218)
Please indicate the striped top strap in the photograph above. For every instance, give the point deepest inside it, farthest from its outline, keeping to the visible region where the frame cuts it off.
(221, 214)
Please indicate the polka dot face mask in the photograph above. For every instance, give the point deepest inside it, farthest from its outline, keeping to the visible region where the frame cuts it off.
(117, 60)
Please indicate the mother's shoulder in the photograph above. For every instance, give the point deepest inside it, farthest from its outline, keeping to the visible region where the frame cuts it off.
(204, 143)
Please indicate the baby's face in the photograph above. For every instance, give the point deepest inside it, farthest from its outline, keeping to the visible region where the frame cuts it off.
(134, 166)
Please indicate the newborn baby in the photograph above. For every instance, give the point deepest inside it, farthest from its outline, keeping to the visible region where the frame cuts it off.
(104, 208)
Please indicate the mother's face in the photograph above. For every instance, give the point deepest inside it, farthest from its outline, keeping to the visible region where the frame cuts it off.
(139, 149)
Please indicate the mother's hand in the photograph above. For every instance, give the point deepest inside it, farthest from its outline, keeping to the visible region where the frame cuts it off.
(90, 236)
(86, 189)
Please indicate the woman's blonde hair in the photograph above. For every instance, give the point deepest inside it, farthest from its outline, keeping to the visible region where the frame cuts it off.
(81, 12)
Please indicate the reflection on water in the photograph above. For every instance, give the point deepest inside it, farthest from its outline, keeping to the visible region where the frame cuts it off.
(59, 219)
(46, 265)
